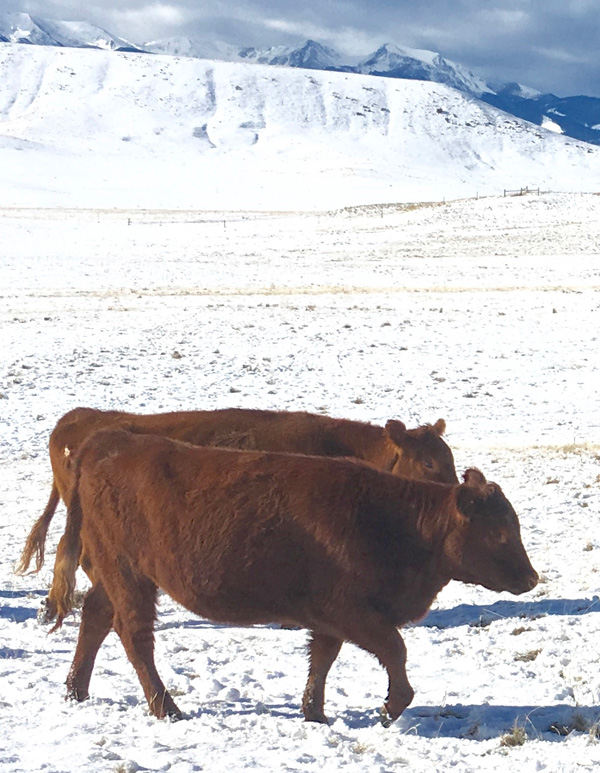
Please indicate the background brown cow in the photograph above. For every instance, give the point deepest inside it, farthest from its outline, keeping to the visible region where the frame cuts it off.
(332, 545)
(417, 453)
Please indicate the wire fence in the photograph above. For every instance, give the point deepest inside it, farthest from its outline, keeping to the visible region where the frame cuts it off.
(225, 217)
(522, 191)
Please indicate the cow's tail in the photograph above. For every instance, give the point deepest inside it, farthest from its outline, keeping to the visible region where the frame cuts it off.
(67, 560)
(36, 540)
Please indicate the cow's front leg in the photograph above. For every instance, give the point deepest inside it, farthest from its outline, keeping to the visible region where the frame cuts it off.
(384, 641)
(400, 693)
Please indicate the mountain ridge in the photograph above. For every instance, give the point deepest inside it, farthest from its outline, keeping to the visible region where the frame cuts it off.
(35, 30)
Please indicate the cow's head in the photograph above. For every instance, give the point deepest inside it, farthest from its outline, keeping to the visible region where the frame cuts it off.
(484, 545)
(421, 453)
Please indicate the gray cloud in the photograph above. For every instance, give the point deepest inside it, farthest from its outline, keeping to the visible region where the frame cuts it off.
(550, 45)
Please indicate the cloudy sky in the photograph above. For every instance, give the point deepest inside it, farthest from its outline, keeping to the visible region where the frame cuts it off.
(551, 45)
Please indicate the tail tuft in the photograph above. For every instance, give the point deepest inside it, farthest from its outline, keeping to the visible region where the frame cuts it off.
(61, 595)
(36, 541)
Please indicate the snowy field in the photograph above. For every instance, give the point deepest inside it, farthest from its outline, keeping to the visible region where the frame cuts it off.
(484, 312)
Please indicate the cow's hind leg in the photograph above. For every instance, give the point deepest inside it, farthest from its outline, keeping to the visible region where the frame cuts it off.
(135, 612)
(323, 651)
(384, 641)
(96, 622)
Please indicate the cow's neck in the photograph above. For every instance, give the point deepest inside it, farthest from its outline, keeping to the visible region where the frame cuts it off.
(367, 444)
(418, 529)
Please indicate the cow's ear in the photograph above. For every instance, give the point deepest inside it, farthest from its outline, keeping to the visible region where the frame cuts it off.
(475, 479)
(396, 430)
(471, 493)
(440, 427)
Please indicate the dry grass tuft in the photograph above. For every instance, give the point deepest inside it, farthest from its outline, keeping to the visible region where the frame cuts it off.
(527, 657)
(516, 737)
(578, 724)
(521, 629)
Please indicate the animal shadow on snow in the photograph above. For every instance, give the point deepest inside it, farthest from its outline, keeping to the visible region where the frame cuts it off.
(482, 614)
(16, 613)
(487, 721)
(477, 722)
(7, 653)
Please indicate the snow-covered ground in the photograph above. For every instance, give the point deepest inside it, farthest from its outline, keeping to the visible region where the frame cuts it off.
(485, 312)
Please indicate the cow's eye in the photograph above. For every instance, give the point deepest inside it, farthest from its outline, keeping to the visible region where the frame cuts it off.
(428, 464)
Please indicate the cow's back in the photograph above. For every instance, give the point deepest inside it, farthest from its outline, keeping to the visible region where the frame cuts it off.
(294, 431)
(243, 428)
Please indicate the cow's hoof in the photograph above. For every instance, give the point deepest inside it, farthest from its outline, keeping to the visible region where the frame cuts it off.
(74, 694)
(165, 708)
(311, 715)
(46, 613)
(384, 717)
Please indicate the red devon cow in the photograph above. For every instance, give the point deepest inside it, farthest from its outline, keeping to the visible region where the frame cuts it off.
(414, 453)
(244, 537)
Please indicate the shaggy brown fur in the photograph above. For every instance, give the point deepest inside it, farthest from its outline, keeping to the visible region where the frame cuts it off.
(415, 453)
(245, 537)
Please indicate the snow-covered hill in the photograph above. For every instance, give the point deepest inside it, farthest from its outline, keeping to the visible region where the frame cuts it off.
(578, 117)
(102, 127)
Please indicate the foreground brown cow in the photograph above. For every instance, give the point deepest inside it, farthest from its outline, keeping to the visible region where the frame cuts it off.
(415, 453)
(247, 537)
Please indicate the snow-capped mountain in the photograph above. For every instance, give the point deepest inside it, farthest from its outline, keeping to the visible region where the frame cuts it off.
(310, 56)
(415, 64)
(23, 28)
(389, 60)
(577, 117)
